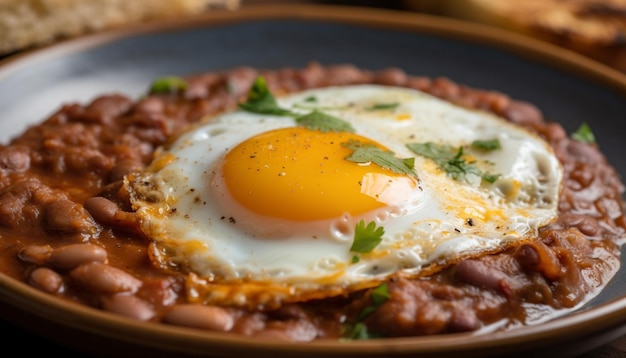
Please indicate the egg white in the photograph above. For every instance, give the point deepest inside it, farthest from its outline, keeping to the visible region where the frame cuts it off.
(199, 228)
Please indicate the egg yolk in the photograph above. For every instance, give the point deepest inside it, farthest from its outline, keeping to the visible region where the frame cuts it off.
(301, 174)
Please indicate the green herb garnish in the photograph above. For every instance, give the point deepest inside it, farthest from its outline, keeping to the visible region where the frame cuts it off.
(323, 122)
(451, 160)
(358, 330)
(382, 106)
(365, 153)
(168, 84)
(490, 144)
(378, 298)
(366, 238)
(261, 100)
(584, 134)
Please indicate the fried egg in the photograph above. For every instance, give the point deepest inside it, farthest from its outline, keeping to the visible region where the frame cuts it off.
(261, 210)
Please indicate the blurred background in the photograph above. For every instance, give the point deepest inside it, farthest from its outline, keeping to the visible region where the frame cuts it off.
(594, 28)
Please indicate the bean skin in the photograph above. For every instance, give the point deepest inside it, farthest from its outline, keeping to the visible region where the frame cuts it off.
(211, 318)
(107, 212)
(71, 256)
(36, 254)
(46, 280)
(479, 274)
(128, 306)
(538, 257)
(101, 278)
(69, 217)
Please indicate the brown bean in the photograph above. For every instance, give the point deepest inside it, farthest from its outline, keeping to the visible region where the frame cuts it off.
(522, 113)
(129, 306)
(463, 320)
(71, 256)
(46, 280)
(101, 209)
(104, 108)
(69, 217)
(391, 77)
(37, 254)
(478, 273)
(102, 278)
(15, 159)
(538, 257)
(199, 316)
(149, 105)
(107, 212)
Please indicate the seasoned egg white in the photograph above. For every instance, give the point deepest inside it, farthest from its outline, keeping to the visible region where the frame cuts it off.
(262, 211)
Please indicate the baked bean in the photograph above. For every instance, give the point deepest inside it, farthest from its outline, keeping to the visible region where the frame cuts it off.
(14, 159)
(102, 278)
(480, 274)
(104, 108)
(149, 105)
(295, 330)
(345, 74)
(585, 224)
(538, 257)
(522, 113)
(36, 254)
(46, 280)
(239, 80)
(69, 217)
(463, 320)
(391, 77)
(212, 318)
(107, 212)
(310, 75)
(129, 306)
(71, 256)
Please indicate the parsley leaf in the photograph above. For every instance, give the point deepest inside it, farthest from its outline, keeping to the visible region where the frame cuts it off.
(168, 84)
(261, 100)
(584, 134)
(323, 122)
(366, 238)
(382, 106)
(450, 160)
(490, 144)
(365, 153)
(358, 330)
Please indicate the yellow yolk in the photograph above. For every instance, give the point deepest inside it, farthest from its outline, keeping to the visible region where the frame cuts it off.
(300, 174)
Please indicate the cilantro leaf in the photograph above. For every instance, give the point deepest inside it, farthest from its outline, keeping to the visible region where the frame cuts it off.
(359, 331)
(261, 100)
(584, 134)
(365, 153)
(323, 122)
(366, 238)
(450, 160)
(380, 294)
(490, 144)
(168, 84)
(382, 106)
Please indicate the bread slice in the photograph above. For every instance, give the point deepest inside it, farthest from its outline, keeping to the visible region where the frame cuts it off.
(28, 23)
(596, 28)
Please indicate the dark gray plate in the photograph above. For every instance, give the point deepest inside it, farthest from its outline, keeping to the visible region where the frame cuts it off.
(568, 88)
